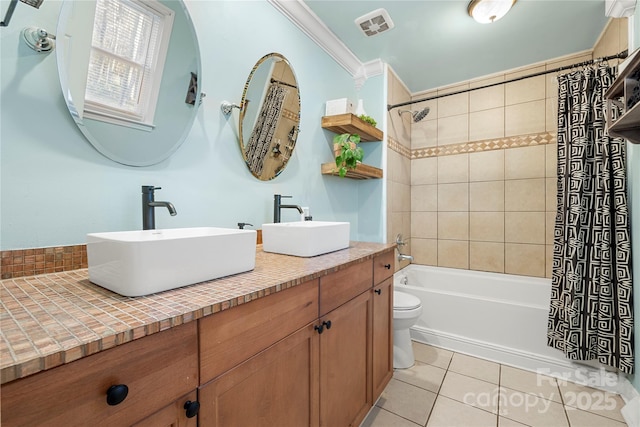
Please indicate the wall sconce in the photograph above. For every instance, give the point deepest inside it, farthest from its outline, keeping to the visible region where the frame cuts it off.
(38, 39)
(488, 11)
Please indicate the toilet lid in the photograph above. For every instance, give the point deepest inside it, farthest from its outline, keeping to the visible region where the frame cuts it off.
(404, 301)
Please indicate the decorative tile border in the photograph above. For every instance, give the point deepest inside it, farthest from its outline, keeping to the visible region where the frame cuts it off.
(291, 115)
(398, 148)
(475, 146)
(29, 262)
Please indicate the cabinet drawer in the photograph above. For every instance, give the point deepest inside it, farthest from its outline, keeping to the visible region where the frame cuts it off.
(341, 286)
(157, 370)
(383, 266)
(233, 336)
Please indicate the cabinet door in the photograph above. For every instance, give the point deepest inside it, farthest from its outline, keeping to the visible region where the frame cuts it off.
(173, 415)
(276, 387)
(382, 346)
(345, 364)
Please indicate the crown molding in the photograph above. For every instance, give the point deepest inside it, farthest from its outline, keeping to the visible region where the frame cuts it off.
(310, 24)
(368, 69)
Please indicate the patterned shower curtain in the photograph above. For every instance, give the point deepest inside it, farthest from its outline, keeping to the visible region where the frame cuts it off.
(266, 125)
(591, 313)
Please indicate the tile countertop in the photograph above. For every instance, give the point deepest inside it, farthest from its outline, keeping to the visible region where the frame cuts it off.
(53, 319)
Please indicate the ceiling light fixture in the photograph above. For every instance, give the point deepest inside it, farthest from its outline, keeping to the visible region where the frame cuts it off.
(488, 11)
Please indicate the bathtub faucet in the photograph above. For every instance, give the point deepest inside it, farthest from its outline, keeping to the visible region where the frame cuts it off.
(403, 257)
(399, 243)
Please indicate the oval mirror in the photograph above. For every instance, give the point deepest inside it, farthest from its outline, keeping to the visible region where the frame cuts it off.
(162, 64)
(269, 116)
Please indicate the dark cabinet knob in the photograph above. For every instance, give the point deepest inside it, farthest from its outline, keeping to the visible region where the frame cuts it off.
(387, 266)
(319, 328)
(327, 324)
(378, 291)
(192, 408)
(116, 394)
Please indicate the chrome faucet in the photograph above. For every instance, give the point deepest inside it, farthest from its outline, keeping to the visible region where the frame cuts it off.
(148, 207)
(278, 206)
(403, 257)
(399, 243)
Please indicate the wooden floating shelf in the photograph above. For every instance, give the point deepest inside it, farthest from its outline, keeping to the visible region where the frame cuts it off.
(617, 87)
(362, 171)
(628, 124)
(350, 123)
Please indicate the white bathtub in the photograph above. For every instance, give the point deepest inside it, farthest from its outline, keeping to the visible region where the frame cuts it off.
(500, 317)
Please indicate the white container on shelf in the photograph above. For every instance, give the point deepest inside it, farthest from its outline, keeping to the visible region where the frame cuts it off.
(338, 106)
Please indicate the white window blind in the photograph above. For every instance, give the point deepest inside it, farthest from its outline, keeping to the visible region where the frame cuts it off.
(128, 49)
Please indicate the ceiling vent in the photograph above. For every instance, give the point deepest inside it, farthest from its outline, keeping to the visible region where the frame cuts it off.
(374, 22)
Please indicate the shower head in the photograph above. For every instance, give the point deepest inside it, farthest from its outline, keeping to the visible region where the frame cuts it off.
(417, 115)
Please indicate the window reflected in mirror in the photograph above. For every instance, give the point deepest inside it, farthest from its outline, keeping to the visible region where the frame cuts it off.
(128, 50)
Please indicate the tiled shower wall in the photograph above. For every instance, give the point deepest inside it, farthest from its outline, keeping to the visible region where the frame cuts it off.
(398, 171)
(482, 174)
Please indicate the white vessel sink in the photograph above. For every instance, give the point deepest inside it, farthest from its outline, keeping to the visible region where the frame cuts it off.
(305, 238)
(134, 263)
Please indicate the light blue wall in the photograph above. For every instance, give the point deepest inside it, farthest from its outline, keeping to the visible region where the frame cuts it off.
(633, 166)
(56, 187)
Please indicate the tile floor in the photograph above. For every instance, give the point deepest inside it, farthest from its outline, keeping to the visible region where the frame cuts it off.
(448, 389)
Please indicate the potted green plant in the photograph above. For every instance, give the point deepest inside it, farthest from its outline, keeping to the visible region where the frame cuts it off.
(368, 119)
(347, 152)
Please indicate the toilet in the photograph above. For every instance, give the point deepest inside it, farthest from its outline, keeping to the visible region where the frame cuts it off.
(406, 311)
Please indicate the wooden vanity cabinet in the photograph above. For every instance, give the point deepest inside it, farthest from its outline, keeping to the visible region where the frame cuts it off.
(157, 370)
(318, 375)
(317, 354)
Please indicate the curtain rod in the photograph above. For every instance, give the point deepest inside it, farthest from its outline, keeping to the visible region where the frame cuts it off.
(283, 83)
(620, 55)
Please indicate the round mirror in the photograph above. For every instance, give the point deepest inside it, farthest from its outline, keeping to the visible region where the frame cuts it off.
(269, 116)
(159, 59)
